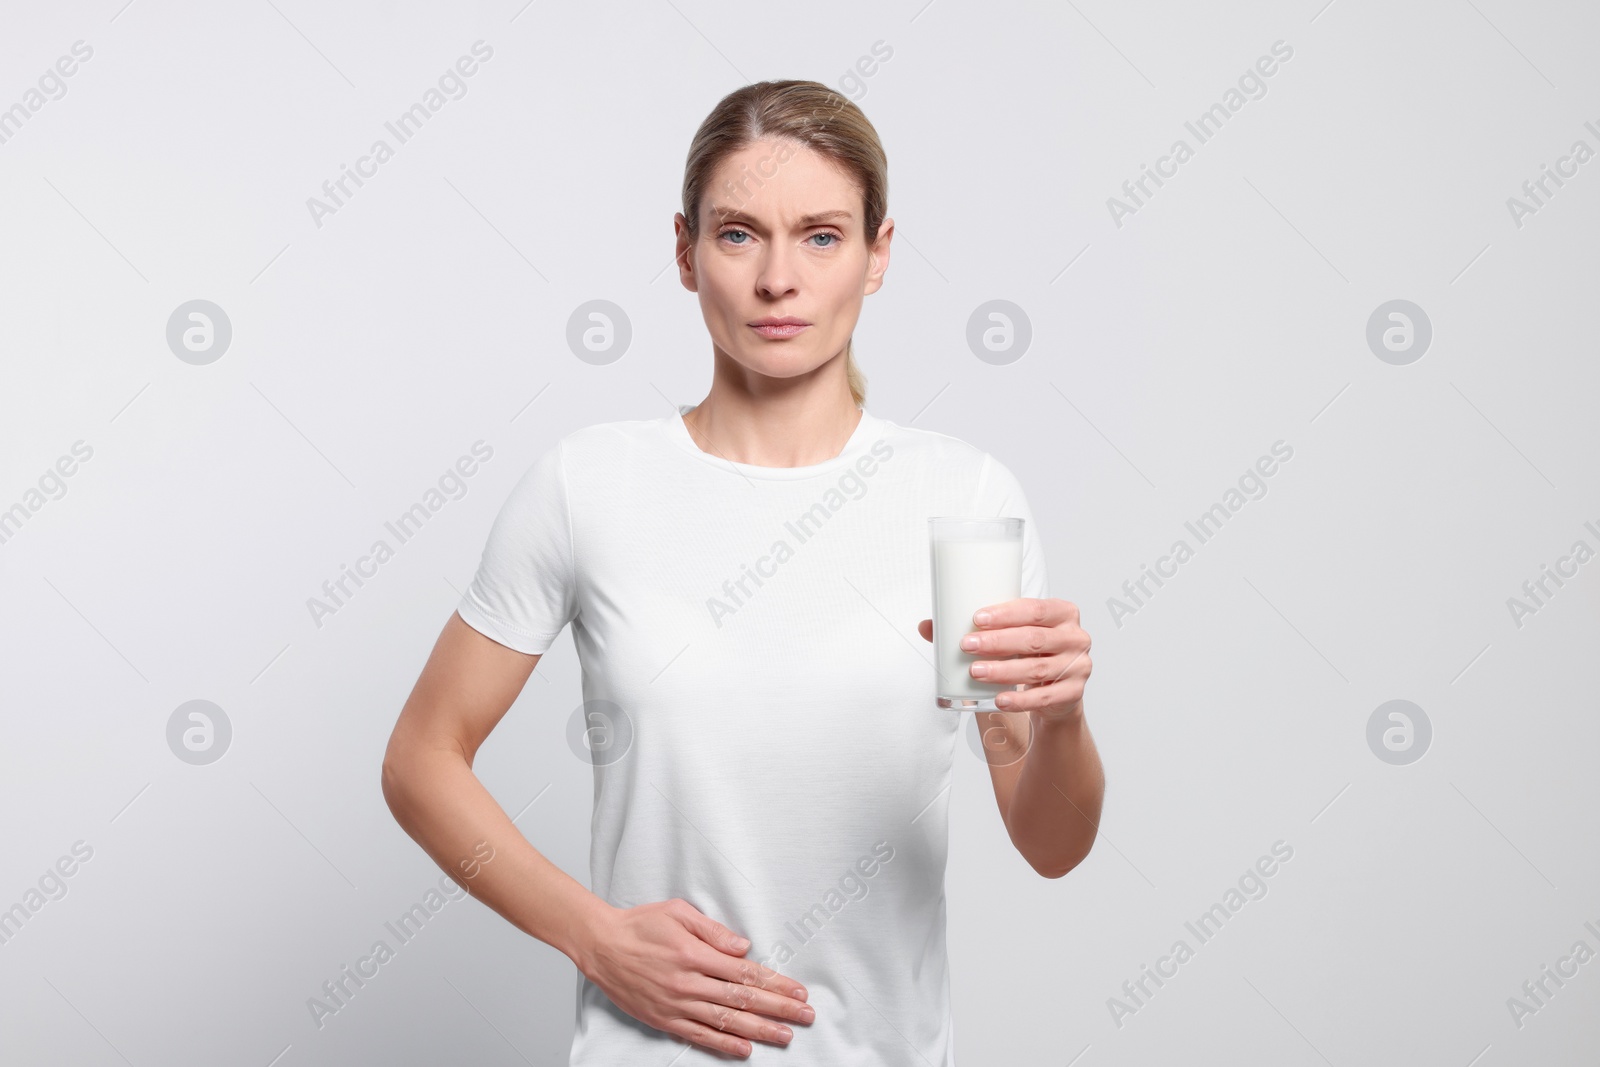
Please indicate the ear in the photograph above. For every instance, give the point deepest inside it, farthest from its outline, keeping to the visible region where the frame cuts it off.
(879, 264)
(684, 253)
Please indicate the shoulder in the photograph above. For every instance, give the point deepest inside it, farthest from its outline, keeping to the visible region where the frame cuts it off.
(608, 434)
(987, 482)
(950, 453)
(601, 442)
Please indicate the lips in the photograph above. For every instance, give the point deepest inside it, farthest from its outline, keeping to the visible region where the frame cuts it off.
(787, 326)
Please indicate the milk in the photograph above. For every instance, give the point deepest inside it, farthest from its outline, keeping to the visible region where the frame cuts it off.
(976, 563)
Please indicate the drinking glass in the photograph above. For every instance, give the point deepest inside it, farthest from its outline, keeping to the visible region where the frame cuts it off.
(977, 562)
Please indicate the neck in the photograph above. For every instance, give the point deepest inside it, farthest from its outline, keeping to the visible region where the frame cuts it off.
(796, 428)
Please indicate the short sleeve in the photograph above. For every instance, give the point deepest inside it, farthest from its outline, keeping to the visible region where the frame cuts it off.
(1000, 495)
(524, 591)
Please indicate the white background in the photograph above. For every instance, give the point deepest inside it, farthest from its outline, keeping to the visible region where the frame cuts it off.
(1167, 355)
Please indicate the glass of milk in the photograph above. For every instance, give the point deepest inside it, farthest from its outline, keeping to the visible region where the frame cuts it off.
(976, 563)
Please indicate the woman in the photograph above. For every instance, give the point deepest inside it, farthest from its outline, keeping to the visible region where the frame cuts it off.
(742, 578)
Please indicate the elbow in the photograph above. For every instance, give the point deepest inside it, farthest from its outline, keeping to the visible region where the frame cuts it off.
(1053, 872)
(1061, 868)
(1086, 833)
(393, 779)
(410, 775)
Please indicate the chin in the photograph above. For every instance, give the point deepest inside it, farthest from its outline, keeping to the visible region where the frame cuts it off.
(784, 366)
(770, 356)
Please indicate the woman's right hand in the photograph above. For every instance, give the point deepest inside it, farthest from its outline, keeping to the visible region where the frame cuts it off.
(669, 965)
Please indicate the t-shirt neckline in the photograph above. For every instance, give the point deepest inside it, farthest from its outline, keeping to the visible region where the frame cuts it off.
(678, 430)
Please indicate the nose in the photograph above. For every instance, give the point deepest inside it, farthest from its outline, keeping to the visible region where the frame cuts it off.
(777, 276)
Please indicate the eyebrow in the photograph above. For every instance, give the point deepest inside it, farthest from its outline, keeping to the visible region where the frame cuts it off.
(726, 213)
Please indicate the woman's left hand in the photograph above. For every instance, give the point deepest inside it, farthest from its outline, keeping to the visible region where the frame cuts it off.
(1049, 653)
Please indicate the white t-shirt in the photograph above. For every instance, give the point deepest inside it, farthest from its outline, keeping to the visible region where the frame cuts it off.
(767, 743)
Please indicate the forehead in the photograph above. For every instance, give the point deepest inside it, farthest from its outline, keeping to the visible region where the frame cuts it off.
(783, 183)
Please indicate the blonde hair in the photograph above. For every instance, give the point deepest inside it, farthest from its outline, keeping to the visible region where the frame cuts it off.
(813, 115)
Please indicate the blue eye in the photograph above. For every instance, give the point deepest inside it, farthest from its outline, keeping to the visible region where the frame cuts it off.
(833, 238)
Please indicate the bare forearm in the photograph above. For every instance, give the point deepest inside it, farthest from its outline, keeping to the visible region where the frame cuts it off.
(437, 799)
(1054, 809)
